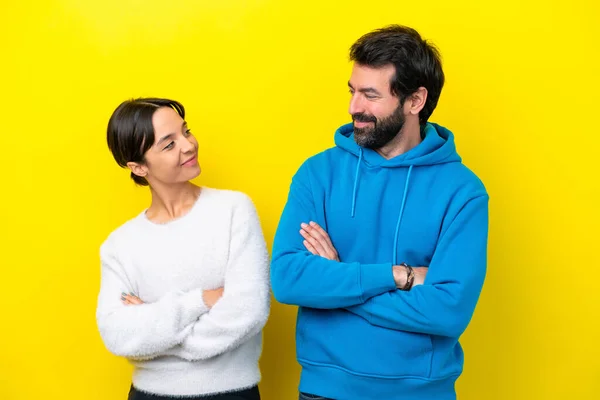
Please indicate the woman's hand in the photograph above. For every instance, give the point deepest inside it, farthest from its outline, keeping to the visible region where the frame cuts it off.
(210, 297)
(317, 241)
(130, 299)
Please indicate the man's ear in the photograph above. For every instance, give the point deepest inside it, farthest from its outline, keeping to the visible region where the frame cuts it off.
(416, 101)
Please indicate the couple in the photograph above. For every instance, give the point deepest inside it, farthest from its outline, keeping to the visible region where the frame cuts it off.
(382, 245)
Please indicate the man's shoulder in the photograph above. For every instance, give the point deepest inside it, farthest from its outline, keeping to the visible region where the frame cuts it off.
(461, 182)
(324, 159)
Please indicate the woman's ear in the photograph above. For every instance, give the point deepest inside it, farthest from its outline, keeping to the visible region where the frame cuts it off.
(138, 169)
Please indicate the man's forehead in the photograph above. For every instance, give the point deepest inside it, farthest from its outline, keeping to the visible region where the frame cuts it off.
(365, 71)
(363, 77)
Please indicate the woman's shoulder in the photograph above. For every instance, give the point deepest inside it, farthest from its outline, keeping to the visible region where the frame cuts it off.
(235, 204)
(229, 198)
(121, 235)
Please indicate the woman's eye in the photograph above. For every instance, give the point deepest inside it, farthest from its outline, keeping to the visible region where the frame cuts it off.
(169, 146)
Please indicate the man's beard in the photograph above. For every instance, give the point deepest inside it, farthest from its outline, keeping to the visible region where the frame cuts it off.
(382, 132)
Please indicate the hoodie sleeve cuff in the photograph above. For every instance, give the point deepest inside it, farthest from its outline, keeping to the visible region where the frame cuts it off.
(376, 279)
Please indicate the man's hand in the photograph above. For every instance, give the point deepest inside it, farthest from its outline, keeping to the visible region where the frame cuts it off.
(317, 241)
(401, 273)
(212, 296)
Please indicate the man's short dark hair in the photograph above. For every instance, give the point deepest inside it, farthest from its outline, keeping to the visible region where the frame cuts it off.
(417, 62)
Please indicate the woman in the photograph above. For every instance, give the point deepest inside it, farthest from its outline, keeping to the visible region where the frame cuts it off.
(184, 290)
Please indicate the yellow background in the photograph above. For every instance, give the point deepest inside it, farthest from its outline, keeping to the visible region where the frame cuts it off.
(264, 84)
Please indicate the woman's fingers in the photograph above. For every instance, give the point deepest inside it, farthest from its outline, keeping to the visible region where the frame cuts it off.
(130, 299)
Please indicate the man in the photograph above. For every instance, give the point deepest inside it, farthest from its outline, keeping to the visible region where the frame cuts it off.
(382, 243)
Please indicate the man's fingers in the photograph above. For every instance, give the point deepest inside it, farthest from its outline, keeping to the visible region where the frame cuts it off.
(316, 244)
(321, 236)
(310, 248)
(314, 232)
(322, 232)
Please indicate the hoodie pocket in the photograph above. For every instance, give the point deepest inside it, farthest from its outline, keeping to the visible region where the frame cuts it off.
(341, 339)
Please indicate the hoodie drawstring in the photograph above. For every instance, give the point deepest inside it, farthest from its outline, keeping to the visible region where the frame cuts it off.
(410, 168)
(360, 153)
(400, 215)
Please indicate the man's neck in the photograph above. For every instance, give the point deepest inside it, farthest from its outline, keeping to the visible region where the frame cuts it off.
(408, 138)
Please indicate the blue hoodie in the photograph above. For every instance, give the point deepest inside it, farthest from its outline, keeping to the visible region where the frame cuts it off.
(357, 336)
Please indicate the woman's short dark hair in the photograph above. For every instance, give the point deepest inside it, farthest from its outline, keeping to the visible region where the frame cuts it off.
(130, 132)
(417, 62)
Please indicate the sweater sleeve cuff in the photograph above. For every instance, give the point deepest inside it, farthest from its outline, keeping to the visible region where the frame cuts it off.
(376, 279)
(193, 306)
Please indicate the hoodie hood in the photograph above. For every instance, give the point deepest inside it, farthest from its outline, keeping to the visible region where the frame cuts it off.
(436, 148)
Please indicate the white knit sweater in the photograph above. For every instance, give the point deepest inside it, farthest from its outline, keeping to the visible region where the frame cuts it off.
(178, 346)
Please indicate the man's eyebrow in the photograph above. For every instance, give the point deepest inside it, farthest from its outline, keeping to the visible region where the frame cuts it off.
(365, 90)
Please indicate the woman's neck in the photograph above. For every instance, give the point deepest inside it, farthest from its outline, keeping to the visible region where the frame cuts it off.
(172, 202)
